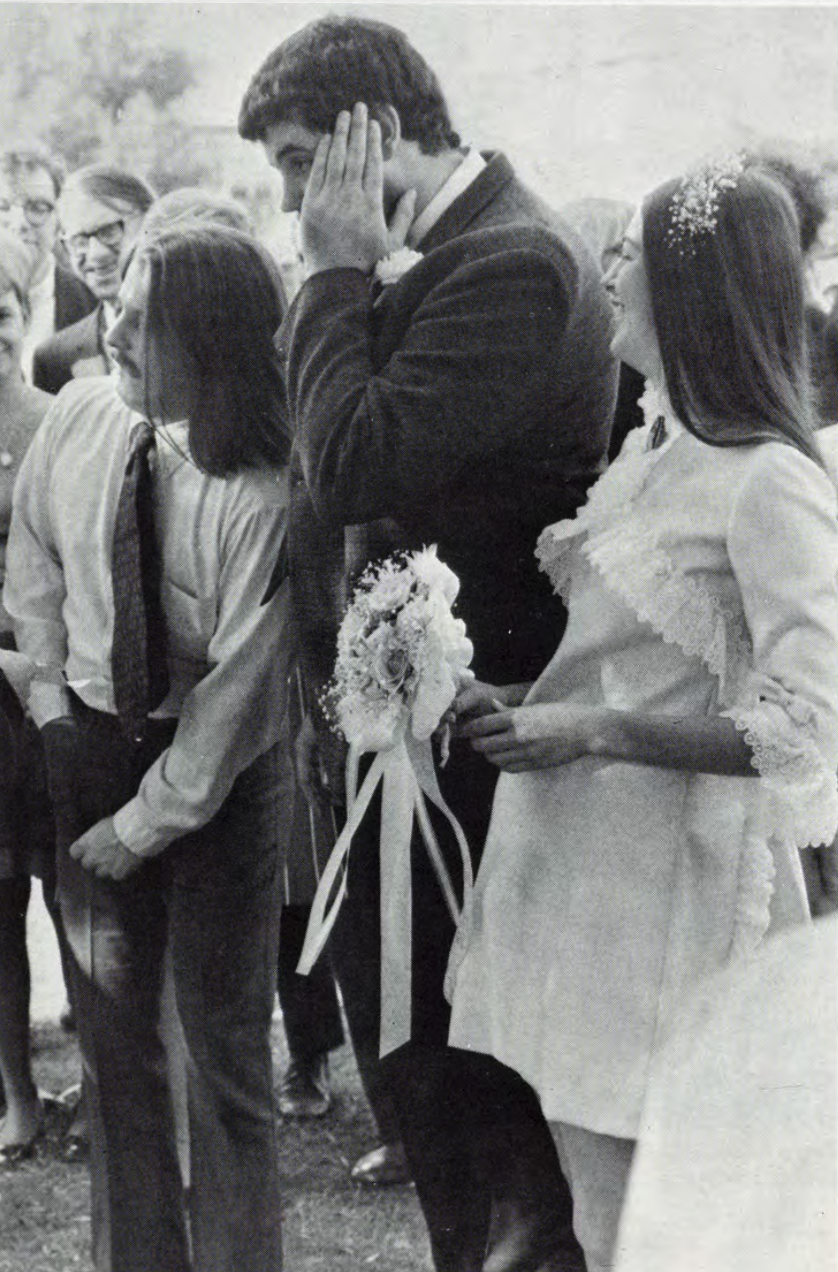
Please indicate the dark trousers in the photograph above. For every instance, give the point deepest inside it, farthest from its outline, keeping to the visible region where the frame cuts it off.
(213, 895)
(482, 1156)
(310, 1007)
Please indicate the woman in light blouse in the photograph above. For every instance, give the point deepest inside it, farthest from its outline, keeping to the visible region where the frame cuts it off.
(661, 776)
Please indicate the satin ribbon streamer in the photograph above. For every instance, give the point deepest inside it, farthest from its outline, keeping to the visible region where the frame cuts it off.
(408, 778)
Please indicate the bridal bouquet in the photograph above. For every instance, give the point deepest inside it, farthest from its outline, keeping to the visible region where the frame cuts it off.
(402, 657)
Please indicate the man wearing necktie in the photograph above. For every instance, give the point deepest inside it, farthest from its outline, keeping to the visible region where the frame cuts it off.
(137, 583)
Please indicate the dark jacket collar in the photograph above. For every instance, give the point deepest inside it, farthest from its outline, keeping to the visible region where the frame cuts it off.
(456, 219)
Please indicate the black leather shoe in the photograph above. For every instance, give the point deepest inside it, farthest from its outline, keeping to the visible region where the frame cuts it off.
(386, 1164)
(12, 1155)
(305, 1090)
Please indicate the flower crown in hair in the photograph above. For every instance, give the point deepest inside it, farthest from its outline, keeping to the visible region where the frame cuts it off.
(695, 204)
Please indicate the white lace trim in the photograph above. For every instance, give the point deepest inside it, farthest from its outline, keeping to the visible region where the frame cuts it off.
(609, 501)
(799, 789)
(798, 795)
(682, 610)
(755, 885)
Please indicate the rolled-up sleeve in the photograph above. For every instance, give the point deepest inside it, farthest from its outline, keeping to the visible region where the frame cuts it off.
(34, 591)
(235, 712)
(783, 545)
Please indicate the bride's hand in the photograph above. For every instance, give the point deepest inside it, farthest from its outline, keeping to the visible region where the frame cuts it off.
(479, 699)
(544, 735)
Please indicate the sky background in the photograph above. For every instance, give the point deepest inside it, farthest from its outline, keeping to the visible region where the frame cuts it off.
(591, 99)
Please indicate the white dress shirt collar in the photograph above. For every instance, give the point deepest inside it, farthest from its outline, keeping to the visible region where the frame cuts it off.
(459, 181)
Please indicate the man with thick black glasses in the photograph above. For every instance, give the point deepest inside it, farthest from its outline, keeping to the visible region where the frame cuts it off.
(101, 211)
(30, 184)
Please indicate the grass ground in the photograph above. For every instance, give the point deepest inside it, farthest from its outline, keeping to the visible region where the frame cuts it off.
(331, 1224)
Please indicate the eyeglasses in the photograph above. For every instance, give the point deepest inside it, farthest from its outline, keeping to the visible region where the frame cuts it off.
(36, 211)
(110, 235)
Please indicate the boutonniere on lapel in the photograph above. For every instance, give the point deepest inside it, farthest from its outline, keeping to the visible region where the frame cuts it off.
(395, 265)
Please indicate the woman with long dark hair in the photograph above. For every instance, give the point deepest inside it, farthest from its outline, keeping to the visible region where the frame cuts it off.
(660, 777)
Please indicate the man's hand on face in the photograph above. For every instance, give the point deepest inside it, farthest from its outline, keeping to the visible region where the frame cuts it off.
(101, 851)
(342, 221)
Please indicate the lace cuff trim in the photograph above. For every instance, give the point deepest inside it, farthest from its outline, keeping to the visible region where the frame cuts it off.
(799, 789)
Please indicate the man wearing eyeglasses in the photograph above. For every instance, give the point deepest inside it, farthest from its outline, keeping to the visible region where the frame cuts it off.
(101, 211)
(30, 184)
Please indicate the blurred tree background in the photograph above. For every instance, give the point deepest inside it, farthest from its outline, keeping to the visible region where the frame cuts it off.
(589, 100)
(109, 83)
(97, 83)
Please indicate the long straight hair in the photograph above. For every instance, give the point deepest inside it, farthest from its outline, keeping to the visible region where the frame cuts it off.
(217, 296)
(729, 312)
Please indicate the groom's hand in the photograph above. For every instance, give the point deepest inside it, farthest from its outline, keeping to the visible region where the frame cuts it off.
(342, 221)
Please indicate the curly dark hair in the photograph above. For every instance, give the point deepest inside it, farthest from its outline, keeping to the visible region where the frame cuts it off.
(335, 62)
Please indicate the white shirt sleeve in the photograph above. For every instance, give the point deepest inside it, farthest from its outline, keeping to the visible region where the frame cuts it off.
(783, 545)
(235, 712)
(34, 591)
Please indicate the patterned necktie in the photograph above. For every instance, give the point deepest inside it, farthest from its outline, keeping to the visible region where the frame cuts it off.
(138, 656)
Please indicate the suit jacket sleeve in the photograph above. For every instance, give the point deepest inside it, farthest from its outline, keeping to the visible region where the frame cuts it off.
(479, 356)
(73, 300)
(47, 373)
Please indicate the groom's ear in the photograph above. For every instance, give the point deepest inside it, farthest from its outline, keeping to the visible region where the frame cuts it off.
(391, 130)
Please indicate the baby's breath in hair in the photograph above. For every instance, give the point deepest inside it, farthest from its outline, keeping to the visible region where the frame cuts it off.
(695, 205)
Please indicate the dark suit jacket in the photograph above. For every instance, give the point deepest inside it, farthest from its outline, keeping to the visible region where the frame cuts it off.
(470, 406)
(76, 351)
(72, 298)
(823, 362)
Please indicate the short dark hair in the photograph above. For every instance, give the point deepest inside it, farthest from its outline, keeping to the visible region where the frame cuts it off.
(729, 312)
(805, 186)
(335, 62)
(25, 157)
(216, 293)
(111, 186)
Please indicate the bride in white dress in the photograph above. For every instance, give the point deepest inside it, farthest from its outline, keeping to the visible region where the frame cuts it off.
(660, 777)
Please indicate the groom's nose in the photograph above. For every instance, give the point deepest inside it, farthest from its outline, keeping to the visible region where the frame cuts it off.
(293, 189)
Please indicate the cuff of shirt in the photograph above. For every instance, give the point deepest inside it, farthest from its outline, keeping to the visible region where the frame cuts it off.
(135, 834)
(48, 701)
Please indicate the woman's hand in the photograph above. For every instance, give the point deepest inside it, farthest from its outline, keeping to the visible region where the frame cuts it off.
(478, 699)
(475, 699)
(520, 739)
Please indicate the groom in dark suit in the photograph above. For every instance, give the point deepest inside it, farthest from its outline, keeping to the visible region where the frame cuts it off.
(466, 404)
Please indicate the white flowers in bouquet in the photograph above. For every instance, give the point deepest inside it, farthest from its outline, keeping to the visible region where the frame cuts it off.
(402, 659)
(402, 655)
